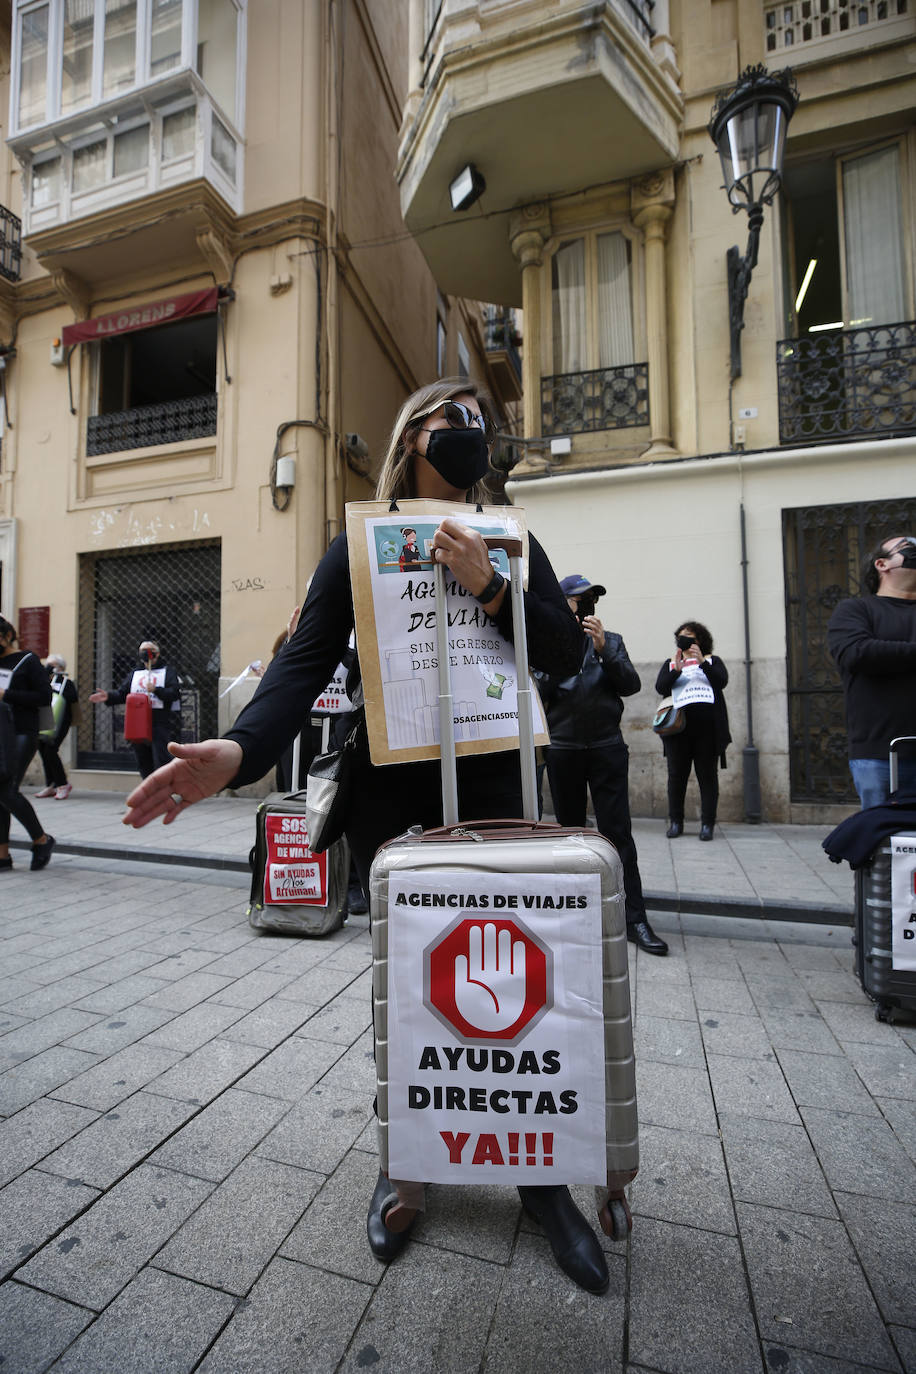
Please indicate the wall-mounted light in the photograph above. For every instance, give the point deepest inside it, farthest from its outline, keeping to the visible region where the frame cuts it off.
(467, 187)
(806, 282)
(748, 126)
(286, 472)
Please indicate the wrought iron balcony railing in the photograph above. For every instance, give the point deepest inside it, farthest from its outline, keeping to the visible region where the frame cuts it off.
(856, 381)
(172, 422)
(608, 398)
(10, 245)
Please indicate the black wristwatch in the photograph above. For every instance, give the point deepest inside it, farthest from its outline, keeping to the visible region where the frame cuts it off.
(491, 590)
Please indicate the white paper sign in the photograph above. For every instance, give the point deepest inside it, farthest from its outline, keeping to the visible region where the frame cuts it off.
(496, 1025)
(392, 552)
(692, 686)
(145, 680)
(903, 902)
(334, 701)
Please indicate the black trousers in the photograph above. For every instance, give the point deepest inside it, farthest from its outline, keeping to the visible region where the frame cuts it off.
(694, 747)
(12, 802)
(152, 755)
(55, 774)
(385, 802)
(603, 771)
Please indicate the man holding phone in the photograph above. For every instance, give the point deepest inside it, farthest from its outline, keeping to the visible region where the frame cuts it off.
(587, 752)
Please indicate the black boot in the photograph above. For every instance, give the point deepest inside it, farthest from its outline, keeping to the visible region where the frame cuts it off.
(675, 828)
(642, 934)
(706, 830)
(572, 1240)
(384, 1244)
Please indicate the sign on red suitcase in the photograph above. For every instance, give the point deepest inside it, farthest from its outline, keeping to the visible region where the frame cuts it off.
(496, 1026)
(293, 875)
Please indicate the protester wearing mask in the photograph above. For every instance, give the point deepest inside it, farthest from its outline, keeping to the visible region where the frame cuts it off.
(873, 640)
(24, 688)
(695, 680)
(439, 449)
(588, 753)
(160, 682)
(64, 700)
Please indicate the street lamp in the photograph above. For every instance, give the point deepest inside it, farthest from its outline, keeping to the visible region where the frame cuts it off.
(748, 127)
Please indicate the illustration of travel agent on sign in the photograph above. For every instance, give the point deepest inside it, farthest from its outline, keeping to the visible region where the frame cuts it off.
(394, 599)
(496, 1025)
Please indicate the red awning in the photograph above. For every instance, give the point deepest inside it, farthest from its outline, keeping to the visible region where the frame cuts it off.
(142, 316)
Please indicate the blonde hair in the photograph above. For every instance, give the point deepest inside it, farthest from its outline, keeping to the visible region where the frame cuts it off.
(396, 480)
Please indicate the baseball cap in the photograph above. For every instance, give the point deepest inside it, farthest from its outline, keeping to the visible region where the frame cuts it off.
(577, 585)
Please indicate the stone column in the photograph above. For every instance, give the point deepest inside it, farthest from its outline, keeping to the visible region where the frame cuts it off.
(528, 232)
(415, 40)
(652, 202)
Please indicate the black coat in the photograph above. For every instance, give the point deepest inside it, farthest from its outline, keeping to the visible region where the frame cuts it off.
(584, 711)
(29, 688)
(717, 673)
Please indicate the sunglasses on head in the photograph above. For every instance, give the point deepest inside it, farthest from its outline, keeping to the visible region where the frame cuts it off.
(459, 416)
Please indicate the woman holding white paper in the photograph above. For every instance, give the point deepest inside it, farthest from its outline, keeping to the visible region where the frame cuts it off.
(439, 450)
(695, 681)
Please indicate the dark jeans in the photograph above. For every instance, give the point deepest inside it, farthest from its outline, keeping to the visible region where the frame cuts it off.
(694, 747)
(603, 771)
(153, 755)
(55, 775)
(12, 802)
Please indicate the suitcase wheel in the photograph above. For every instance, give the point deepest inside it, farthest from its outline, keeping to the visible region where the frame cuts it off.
(883, 1012)
(616, 1218)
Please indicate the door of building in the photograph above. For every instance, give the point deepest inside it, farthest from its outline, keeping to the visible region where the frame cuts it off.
(170, 594)
(823, 549)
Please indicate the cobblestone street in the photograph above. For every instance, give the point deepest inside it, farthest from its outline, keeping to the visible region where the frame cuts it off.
(187, 1152)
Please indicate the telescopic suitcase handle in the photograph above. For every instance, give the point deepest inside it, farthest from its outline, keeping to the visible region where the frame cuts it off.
(892, 757)
(512, 546)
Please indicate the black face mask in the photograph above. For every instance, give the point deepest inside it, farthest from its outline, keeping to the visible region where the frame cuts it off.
(459, 456)
(909, 556)
(683, 641)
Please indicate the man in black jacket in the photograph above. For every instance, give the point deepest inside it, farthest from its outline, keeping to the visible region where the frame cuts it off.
(587, 750)
(873, 639)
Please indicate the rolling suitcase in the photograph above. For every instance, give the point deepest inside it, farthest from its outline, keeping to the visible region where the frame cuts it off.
(885, 916)
(293, 890)
(483, 1077)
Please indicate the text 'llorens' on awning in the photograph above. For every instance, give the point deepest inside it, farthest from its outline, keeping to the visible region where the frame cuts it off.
(142, 316)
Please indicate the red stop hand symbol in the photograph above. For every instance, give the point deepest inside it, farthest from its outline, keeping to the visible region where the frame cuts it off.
(490, 981)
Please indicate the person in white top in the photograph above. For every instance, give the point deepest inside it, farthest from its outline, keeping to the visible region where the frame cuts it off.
(160, 682)
(695, 680)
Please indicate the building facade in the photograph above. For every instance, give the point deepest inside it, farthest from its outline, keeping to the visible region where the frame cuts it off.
(210, 310)
(744, 503)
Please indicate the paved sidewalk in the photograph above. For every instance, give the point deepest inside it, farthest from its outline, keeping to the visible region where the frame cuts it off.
(778, 871)
(187, 1149)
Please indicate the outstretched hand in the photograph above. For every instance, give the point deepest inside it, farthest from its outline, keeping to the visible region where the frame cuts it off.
(196, 771)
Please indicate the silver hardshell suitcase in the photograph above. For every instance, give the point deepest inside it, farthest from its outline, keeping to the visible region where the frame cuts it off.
(505, 855)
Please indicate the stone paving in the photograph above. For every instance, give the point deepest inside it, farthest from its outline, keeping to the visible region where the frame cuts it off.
(776, 867)
(187, 1150)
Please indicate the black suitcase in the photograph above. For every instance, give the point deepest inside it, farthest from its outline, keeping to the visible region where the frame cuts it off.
(292, 889)
(884, 964)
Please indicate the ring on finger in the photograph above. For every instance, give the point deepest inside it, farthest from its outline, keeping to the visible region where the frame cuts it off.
(177, 798)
